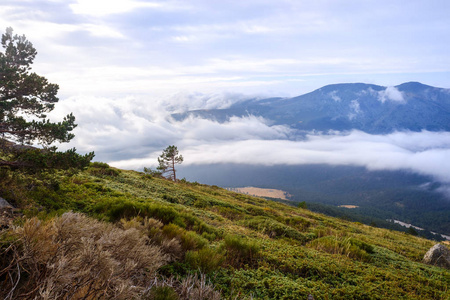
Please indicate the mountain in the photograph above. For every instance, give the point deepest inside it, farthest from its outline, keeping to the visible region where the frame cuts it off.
(370, 108)
(106, 233)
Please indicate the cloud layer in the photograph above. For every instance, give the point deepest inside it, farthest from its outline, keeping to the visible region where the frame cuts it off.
(424, 152)
(130, 133)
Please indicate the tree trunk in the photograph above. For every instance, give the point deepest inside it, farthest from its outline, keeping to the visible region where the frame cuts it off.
(173, 168)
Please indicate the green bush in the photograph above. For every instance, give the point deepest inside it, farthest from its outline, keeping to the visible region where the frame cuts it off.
(121, 208)
(298, 222)
(163, 293)
(100, 165)
(206, 260)
(195, 224)
(189, 199)
(189, 240)
(350, 247)
(256, 211)
(362, 245)
(170, 198)
(229, 213)
(209, 236)
(149, 173)
(102, 169)
(240, 251)
(302, 205)
(273, 228)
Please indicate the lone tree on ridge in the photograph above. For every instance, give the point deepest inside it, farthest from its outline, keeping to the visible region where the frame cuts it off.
(167, 161)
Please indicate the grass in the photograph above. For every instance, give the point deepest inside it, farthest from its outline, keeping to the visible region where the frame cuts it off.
(244, 246)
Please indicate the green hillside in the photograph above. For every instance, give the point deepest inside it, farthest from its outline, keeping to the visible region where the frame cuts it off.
(146, 237)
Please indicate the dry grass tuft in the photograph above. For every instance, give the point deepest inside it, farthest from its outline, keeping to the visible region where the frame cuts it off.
(153, 229)
(192, 287)
(74, 256)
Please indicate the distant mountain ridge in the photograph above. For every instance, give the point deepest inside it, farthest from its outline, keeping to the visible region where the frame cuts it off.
(367, 107)
(386, 194)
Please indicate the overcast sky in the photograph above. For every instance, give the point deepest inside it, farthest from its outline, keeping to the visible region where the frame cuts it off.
(124, 65)
(282, 47)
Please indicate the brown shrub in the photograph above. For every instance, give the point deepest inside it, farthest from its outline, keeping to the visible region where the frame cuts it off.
(152, 228)
(76, 256)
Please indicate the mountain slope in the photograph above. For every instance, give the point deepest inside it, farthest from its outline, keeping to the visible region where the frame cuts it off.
(247, 246)
(370, 108)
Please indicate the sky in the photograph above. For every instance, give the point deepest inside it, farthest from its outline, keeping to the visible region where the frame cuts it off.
(283, 48)
(123, 66)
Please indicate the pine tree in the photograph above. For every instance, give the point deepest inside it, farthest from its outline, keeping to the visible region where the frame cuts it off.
(167, 161)
(25, 98)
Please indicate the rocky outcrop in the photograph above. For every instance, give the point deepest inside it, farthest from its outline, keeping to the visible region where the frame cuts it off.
(4, 203)
(438, 256)
(7, 214)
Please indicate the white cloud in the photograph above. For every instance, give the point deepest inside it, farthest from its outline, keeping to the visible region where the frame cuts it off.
(354, 105)
(101, 30)
(391, 94)
(107, 7)
(129, 127)
(334, 96)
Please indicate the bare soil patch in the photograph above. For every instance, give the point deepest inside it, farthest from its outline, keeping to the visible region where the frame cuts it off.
(349, 206)
(260, 192)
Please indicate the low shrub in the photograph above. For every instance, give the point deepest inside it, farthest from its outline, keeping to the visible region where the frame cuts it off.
(298, 223)
(229, 213)
(162, 293)
(241, 251)
(189, 199)
(205, 260)
(102, 169)
(121, 208)
(322, 231)
(256, 211)
(170, 198)
(149, 173)
(194, 223)
(209, 236)
(350, 247)
(191, 287)
(273, 228)
(189, 240)
(118, 209)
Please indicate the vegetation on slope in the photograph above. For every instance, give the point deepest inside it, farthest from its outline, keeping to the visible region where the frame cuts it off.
(181, 234)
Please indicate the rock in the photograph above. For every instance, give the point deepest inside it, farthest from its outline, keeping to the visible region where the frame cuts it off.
(438, 256)
(4, 203)
(7, 214)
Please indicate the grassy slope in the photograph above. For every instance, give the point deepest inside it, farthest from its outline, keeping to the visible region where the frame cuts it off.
(301, 252)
